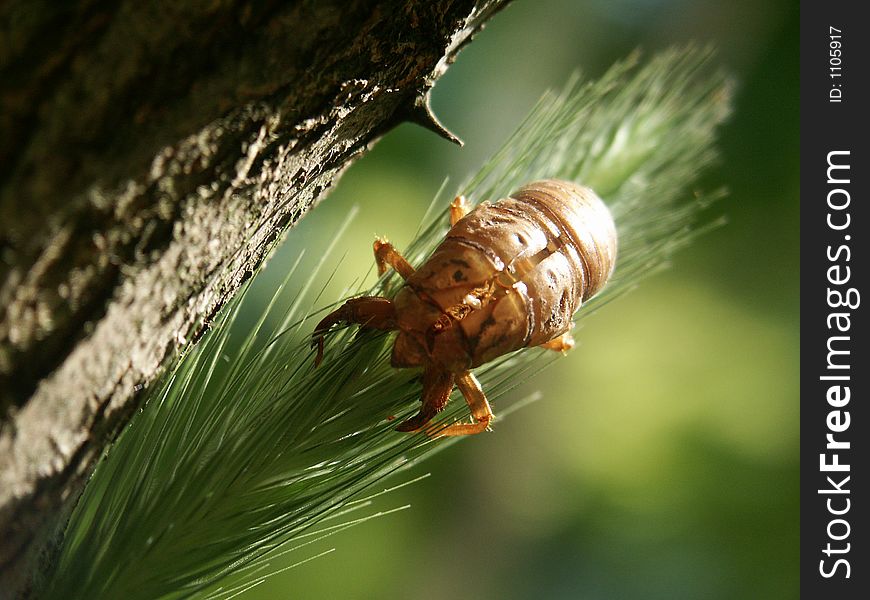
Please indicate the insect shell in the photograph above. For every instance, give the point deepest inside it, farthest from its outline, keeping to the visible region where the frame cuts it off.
(509, 274)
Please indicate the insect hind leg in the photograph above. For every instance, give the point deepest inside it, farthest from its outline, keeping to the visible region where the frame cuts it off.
(370, 312)
(477, 402)
(458, 209)
(562, 343)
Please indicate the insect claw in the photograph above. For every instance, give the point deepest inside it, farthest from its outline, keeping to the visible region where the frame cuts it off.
(420, 420)
(368, 311)
(320, 332)
(319, 356)
(412, 424)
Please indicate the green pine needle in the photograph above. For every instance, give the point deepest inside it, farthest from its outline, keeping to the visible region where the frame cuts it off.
(244, 451)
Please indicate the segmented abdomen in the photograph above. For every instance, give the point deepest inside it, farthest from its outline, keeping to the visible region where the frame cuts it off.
(522, 266)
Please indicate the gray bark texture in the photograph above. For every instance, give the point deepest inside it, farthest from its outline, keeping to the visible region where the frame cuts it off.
(150, 154)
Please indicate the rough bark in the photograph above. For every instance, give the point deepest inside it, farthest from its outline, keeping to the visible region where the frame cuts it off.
(150, 153)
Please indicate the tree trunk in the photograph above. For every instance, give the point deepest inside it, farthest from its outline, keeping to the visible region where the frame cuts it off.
(150, 154)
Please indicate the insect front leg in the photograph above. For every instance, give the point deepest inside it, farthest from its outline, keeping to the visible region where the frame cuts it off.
(458, 209)
(369, 311)
(387, 255)
(477, 402)
(437, 385)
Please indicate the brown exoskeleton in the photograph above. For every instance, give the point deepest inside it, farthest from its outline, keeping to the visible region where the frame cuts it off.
(508, 275)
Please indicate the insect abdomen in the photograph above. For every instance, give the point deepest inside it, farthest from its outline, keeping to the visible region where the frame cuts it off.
(553, 245)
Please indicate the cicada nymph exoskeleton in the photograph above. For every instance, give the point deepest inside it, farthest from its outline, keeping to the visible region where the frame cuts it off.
(508, 275)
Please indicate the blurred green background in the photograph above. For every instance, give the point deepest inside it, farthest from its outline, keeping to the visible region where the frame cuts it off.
(662, 461)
